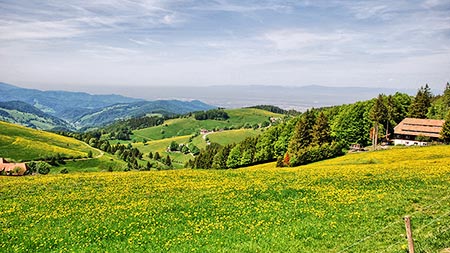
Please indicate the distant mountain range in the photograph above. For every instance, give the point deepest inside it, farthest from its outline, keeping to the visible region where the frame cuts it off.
(19, 112)
(286, 97)
(73, 110)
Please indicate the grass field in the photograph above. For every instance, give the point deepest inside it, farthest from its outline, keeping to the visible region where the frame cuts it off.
(232, 136)
(354, 203)
(103, 163)
(189, 126)
(21, 143)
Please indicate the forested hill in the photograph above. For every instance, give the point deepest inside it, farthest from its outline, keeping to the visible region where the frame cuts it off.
(27, 115)
(80, 109)
(62, 104)
(112, 113)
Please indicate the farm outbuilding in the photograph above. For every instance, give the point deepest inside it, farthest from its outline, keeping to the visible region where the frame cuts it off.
(418, 132)
(12, 169)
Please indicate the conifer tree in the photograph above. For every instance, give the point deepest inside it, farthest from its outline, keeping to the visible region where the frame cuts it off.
(378, 113)
(421, 103)
(445, 132)
(168, 161)
(447, 95)
(321, 130)
(302, 136)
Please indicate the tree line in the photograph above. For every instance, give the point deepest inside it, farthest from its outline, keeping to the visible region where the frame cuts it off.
(323, 133)
(215, 114)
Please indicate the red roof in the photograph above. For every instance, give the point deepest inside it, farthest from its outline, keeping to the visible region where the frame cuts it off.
(420, 127)
(15, 169)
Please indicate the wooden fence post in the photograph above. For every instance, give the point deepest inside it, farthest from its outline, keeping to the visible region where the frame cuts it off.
(409, 234)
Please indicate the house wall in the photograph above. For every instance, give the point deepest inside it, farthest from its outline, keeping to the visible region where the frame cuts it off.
(410, 142)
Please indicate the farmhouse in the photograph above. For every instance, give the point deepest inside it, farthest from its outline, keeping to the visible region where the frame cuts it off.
(417, 132)
(13, 169)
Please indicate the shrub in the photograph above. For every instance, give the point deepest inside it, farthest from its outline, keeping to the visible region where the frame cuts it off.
(32, 167)
(64, 171)
(43, 168)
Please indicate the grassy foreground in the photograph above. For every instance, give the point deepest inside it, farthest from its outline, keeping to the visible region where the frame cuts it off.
(353, 203)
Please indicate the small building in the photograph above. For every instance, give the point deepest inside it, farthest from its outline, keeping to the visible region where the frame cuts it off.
(12, 169)
(356, 148)
(204, 131)
(418, 132)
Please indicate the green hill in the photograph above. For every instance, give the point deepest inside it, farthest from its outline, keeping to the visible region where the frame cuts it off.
(85, 110)
(115, 112)
(189, 126)
(62, 104)
(178, 158)
(21, 143)
(18, 112)
(353, 203)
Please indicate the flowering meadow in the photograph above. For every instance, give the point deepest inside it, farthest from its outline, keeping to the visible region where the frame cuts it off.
(353, 203)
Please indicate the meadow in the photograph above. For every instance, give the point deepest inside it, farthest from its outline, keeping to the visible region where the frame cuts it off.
(353, 203)
(21, 143)
(189, 126)
(105, 162)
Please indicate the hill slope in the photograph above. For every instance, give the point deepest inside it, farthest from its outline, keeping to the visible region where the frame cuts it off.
(179, 158)
(62, 104)
(188, 126)
(19, 112)
(109, 114)
(21, 143)
(85, 110)
(353, 203)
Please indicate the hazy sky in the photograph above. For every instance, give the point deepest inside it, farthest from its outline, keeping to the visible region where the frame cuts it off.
(225, 42)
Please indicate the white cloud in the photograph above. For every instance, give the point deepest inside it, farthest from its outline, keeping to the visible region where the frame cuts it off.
(38, 30)
(242, 6)
(78, 18)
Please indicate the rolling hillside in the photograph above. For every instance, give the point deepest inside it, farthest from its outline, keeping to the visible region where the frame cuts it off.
(62, 104)
(178, 158)
(115, 112)
(188, 126)
(19, 112)
(21, 143)
(353, 203)
(83, 110)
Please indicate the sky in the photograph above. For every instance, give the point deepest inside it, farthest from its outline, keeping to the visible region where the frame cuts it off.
(50, 43)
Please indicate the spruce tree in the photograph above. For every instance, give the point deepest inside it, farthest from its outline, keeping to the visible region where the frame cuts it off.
(377, 114)
(445, 132)
(321, 130)
(447, 95)
(421, 103)
(168, 161)
(302, 136)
